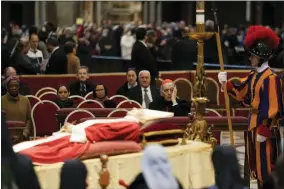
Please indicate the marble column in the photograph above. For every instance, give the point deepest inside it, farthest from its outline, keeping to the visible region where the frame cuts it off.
(159, 12)
(248, 11)
(65, 13)
(152, 13)
(98, 12)
(37, 13)
(145, 12)
(43, 12)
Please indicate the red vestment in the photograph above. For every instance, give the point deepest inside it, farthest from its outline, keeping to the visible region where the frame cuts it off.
(65, 146)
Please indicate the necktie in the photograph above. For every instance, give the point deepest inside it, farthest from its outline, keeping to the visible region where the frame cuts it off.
(146, 98)
(83, 88)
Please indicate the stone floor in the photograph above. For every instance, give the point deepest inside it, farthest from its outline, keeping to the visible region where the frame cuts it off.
(240, 147)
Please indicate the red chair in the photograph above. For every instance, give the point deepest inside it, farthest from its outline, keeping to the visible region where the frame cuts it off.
(118, 113)
(45, 89)
(90, 104)
(76, 115)
(129, 104)
(33, 100)
(16, 129)
(212, 112)
(118, 98)
(48, 96)
(89, 96)
(77, 99)
(43, 118)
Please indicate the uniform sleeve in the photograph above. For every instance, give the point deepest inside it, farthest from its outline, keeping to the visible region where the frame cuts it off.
(239, 91)
(272, 102)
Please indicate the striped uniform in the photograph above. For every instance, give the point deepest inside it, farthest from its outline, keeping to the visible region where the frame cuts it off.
(262, 93)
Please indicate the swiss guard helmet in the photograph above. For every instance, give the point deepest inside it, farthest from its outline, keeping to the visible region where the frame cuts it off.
(262, 42)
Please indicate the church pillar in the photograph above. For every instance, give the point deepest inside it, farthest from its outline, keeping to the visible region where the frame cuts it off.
(152, 11)
(98, 12)
(145, 12)
(159, 12)
(65, 13)
(248, 11)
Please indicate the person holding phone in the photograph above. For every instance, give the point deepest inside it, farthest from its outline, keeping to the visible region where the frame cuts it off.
(169, 101)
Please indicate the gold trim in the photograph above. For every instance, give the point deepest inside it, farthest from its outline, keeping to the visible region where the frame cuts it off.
(235, 78)
(153, 133)
(163, 142)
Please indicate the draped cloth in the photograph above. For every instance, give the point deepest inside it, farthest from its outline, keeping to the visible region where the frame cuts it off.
(62, 146)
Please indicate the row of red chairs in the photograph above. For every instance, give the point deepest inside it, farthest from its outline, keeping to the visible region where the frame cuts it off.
(81, 102)
(44, 121)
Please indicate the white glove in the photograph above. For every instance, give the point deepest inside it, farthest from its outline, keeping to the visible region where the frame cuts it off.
(222, 76)
(260, 138)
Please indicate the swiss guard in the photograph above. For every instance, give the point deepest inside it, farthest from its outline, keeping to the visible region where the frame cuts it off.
(261, 92)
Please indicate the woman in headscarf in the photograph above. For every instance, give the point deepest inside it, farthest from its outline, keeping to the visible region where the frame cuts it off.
(16, 106)
(227, 170)
(156, 171)
(73, 175)
(17, 170)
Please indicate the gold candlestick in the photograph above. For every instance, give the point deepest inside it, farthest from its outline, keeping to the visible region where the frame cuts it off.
(198, 130)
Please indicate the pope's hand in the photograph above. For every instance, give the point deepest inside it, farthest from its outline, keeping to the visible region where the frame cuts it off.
(222, 77)
(67, 127)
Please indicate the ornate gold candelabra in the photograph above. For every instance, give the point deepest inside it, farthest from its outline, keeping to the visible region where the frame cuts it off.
(198, 130)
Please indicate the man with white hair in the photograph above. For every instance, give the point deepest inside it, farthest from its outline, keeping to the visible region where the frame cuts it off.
(169, 101)
(144, 93)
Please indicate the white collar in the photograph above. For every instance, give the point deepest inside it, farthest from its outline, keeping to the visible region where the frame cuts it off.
(54, 50)
(262, 67)
(33, 50)
(129, 86)
(148, 88)
(143, 43)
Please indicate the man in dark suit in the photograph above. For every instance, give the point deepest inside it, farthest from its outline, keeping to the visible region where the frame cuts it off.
(169, 101)
(82, 86)
(144, 93)
(131, 83)
(57, 63)
(184, 53)
(141, 56)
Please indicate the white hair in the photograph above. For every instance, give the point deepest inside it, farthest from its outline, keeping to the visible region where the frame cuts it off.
(143, 71)
(172, 84)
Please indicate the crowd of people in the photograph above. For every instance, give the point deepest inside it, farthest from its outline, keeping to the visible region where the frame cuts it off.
(29, 50)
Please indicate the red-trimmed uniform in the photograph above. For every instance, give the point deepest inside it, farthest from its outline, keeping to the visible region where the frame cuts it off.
(261, 91)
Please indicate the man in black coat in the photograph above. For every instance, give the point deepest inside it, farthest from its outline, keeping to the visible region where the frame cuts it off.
(131, 83)
(170, 102)
(141, 56)
(57, 63)
(184, 53)
(82, 86)
(144, 93)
